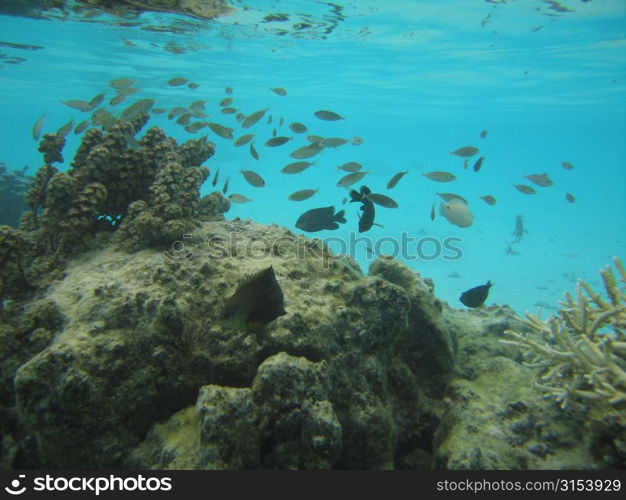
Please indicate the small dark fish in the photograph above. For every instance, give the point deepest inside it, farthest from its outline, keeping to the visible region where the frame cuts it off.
(306, 152)
(541, 180)
(297, 128)
(382, 200)
(351, 166)
(78, 104)
(328, 115)
(193, 85)
(221, 130)
(140, 106)
(253, 178)
(478, 163)
(360, 194)
(238, 198)
(281, 121)
(178, 110)
(253, 151)
(567, 165)
(395, 179)
(253, 118)
(197, 105)
(228, 90)
(274, 133)
(195, 127)
(66, 129)
(570, 197)
(488, 199)
(225, 188)
(257, 301)
(96, 101)
(228, 111)
(227, 101)
(440, 176)
(318, 219)
(296, 167)
(303, 194)
(432, 211)
(269, 119)
(177, 82)
(120, 83)
(279, 90)
(128, 91)
(366, 218)
(117, 99)
(332, 142)
(475, 297)
(483, 134)
(184, 119)
(81, 127)
(465, 151)
(356, 141)
(215, 179)
(103, 118)
(465, 164)
(315, 139)
(348, 180)
(277, 141)
(38, 126)
(523, 188)
(243, 140)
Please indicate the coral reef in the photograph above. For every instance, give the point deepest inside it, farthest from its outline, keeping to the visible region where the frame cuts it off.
(582, 352)
(492, 417)
(13, 187)
(580, 355)
(141, 375)
(148, 193)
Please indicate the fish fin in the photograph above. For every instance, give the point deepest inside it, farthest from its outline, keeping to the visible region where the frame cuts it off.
(339, 217)
(377, 224)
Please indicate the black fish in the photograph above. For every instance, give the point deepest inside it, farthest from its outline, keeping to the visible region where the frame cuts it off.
(475, 297)
(479, 163)
(318, 219)
(257, 301)
(359, 195)
(366, 219)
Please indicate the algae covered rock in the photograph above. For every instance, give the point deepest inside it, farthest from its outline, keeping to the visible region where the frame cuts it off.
(143, 375)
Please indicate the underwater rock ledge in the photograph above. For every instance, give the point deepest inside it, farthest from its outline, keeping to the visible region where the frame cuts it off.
(362, 372)
(330, 384)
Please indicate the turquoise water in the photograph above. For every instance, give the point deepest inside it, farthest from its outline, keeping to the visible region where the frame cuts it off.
(415, 80)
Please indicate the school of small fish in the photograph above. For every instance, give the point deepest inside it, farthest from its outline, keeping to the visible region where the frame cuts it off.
(244, 128)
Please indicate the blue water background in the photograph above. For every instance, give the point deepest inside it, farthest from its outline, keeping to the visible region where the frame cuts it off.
(415, 80)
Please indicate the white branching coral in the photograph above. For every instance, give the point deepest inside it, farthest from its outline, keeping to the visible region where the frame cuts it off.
(581, 352)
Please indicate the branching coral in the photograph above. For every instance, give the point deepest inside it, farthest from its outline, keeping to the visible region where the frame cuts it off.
(581, 353)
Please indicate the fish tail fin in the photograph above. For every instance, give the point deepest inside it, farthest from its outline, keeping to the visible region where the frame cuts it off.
(339, 217)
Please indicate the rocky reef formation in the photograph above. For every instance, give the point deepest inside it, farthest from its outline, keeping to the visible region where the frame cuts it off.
(148, 193)
(13, 187)
(363, 371)
(331, 384)
(580, 358)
